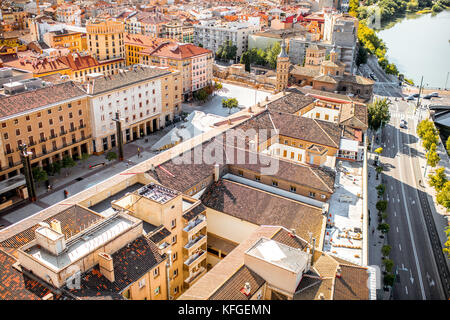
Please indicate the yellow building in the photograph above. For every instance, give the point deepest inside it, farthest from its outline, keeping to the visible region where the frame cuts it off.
(282, 69)
(105, 39)
(74, 41)
(135, 43)
(179, 229)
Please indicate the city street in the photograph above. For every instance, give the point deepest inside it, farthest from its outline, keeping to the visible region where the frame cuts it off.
(409, 214)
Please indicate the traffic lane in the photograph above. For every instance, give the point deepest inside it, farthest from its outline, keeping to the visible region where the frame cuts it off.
(422, 240)
(399, 236)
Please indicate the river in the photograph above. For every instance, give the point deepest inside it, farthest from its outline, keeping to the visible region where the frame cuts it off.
(419, 45)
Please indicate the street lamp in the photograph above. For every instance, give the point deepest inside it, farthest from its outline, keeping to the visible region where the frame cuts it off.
(25, 157)
(118, 120)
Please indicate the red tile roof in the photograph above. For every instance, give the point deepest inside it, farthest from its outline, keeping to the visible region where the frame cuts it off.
(177, 51)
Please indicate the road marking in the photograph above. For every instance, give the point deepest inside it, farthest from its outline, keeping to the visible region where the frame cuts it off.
(400, 247)
(397, 229)
(406, 289)
(395, 214)
(411, 234)
(392, 188)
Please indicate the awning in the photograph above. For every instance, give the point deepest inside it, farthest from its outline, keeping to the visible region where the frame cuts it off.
(12, 183)
(348, 145)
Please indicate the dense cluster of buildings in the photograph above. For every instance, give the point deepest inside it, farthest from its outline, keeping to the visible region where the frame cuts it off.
(227, 228)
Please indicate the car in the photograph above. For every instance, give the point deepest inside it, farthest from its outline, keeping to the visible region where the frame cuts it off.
(410, 98)
(435, 94)
(428, 96)
(373, 77)
(416, 95)
(403, 124)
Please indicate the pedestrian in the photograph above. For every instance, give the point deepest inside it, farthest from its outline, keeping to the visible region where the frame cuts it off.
(66, 193)
(139, 152)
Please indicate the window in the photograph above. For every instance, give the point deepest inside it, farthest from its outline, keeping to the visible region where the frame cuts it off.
(5, 135)
(174, 223)
(3, 125)
(175, 256)
(27, 118)
(317, 115)
(175, 290)
(293, 189)
(17, 132)
(312, 194)
(240, 173)
(80, 112)
(285, 153)
(275, 183)
(156, 272)
(327, 117)
(49, 111)
(50, 121)
(292, 155)
(258, 178)
(174, 239)
(175, 273)
(141, 283)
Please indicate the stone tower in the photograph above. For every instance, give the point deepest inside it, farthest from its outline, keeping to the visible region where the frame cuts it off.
(282, 69)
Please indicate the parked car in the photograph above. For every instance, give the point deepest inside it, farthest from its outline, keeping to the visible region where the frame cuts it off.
(428, 96)
(403, 123)
(416, 95)
(411, 97)
(435, 94)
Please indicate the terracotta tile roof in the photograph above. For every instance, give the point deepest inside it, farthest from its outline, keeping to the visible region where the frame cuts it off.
(354, 115)
(143, 41)
(39, 67)
(79, 62)
(307, 129)
(158, 235)
(73, 220)
(292, 102)
(39, 98)
(352, 285)
(304, 71)
(16, 286)
(286, 237)
(130, 264)
(191, 214)
(177, 51)
(263, 208)
(231, 289)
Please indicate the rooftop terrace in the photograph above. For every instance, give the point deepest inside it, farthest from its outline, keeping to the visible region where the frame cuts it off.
(157, 193)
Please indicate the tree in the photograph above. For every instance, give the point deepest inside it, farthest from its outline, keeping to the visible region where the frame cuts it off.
(226, 51)
(379, 113)
(353, 7)
(429, 139)
(361, 57)
(84, 158)
(111, 156)
(424, 126)
(382, 205)
(385, 250)
(272, 54)
(447, 145)
(438, 179)
(447, 243)
(381, 188)
(39, 175)
(432, 156)
(201, 94)
(56, 167)
(68, 163)
(383, 227)
(443, 196)
(379, 150)
(388, 264)
(230, 103)
(217, 86)
(388, 279)
(379, 170)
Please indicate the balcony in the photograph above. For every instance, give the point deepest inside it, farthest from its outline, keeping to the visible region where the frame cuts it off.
(72, 129)
(193, 277)
(63, 133)
(53, 136)
(43, 140)
(195, 225)
(194, 244)
(195, 259)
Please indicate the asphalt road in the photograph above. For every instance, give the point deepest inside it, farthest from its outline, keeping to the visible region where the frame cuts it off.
(417, 275)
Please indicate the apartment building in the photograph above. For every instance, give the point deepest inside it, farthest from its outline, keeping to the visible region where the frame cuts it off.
(135, 43)
(52, 121)
(177, 224)
(178, 31)
(63, 260)
(147, 98)
(194, 63)
(145, 23)
(105, 39)
(69, 14)
(72, 40)
(211, 34)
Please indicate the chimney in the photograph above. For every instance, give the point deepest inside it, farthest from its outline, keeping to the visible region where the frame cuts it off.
(246, 289)
(106, 265)
(292, 233)
(338, 272)
(216, 172)
(56, 225)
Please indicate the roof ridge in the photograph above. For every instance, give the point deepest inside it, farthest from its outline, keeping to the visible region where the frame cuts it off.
(325, 132)
(321, 180)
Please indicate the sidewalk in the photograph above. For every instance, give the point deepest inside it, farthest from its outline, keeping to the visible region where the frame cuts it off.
(375, 242)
